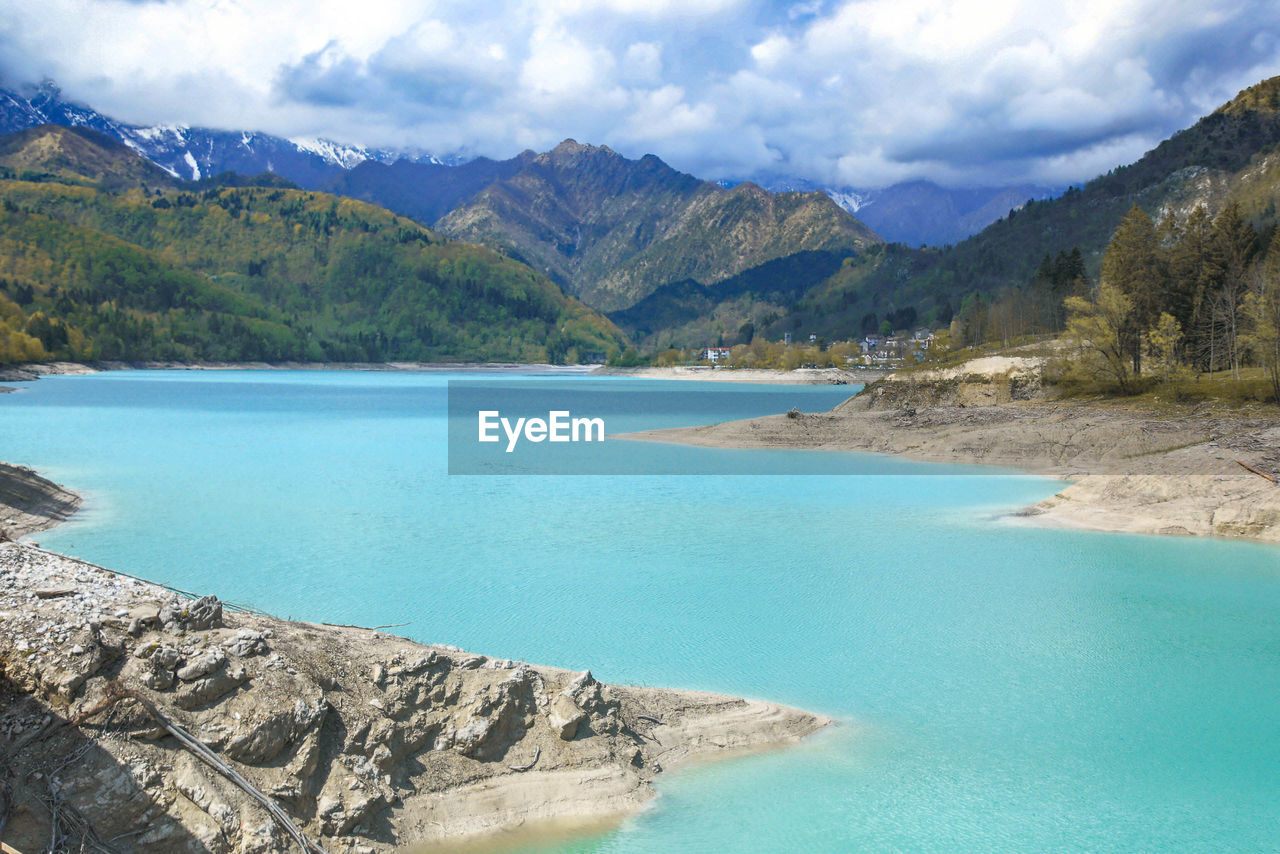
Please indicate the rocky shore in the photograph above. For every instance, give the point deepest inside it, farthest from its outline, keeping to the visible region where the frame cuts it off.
(1187, 472)
(30, 503)
(137, 719)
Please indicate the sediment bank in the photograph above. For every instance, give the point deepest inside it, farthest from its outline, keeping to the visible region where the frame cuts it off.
(30, 503)
(1132, 471)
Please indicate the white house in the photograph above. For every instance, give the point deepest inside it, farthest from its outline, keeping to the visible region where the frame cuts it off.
(715, 354)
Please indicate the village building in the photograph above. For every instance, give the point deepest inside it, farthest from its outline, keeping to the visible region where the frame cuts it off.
(715, 355)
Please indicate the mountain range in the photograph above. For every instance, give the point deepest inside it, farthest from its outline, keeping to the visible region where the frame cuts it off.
(426, 186)
(673, 260)
(1231, 155)
(105, 255)
(194, 152)
(919, 213)
(612, 230)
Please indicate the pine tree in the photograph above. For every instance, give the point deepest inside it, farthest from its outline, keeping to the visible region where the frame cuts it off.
(1189, 277)
(1262, 308)
(1132, 264)
(1232, 244)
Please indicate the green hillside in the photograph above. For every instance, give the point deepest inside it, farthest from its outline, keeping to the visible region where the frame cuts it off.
(1032, 257)
(77, 155)
(1229, 155)
(270, 274)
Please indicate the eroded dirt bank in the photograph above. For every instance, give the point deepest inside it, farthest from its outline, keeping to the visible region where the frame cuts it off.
(30, 503)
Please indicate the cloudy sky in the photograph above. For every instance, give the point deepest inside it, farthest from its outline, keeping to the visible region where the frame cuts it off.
(846, 92)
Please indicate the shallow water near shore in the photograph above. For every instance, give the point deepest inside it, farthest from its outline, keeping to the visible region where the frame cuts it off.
(1003, 688)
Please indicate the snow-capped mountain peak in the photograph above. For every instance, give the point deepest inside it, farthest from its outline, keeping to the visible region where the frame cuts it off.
(193, 152)
(346, 156)
(849, 200)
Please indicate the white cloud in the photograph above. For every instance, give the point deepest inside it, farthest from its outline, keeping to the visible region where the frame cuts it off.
(663, 113)
(561, 68)
(771, 51)
(643, 62)
(863, 92)
(642, 8)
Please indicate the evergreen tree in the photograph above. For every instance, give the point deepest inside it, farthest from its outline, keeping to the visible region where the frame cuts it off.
(1189, 274)
(1262, 308)
(1132, 265)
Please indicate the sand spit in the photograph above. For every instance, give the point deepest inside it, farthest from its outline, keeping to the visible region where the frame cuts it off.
(112, 688)
(1132, 471)
(800, 376)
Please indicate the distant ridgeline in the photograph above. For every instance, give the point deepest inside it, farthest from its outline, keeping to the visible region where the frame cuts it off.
(123, 260)
(105, 256)
(602, 226)
(1228, 156)
(614, 230)
(1025, 264)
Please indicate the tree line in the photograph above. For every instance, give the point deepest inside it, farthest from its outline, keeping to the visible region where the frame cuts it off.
(1178, 299)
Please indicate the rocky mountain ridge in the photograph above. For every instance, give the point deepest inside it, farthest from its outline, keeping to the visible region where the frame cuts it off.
(424, 186)
(192, 153)
(104, 256)
(79, 153)
(612, 230)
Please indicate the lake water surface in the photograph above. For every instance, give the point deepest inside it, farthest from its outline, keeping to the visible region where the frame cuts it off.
(1001, 688)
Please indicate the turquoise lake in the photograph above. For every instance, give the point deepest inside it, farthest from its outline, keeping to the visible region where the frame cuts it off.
(1000, 688)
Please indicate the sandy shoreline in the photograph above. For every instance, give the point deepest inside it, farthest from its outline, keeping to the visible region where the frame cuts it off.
(1129, 471)
(29, 372)
(800, 376)
(368, 741)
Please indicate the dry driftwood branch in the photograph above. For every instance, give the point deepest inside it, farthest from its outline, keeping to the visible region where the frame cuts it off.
(1250, 468)
(69, 829)
(116, 693)
(536, 755)
(365, 628)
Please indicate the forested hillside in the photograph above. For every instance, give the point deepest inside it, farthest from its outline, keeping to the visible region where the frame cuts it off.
(1229, 155)
(1023, 266)
(265, 274)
